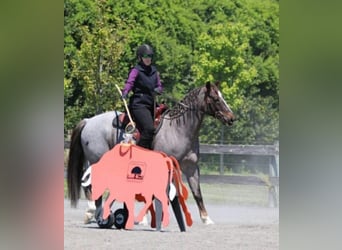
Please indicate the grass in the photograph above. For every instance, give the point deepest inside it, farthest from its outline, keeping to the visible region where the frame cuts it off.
(231, 194)
(65, 189)
(66, 155)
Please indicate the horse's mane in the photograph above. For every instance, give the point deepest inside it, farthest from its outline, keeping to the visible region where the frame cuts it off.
(187, 103)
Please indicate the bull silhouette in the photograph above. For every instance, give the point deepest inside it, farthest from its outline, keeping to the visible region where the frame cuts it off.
(129, 170)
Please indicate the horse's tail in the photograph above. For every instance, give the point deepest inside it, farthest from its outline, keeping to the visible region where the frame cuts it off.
(75, 164)
(177, 177)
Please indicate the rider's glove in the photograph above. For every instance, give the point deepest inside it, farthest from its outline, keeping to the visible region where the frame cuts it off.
(157, 91)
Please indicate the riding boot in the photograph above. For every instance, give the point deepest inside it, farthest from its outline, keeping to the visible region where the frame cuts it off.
(144, 120)
(145, 143)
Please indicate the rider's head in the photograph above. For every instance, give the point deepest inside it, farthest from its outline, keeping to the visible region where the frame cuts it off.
(145, 54)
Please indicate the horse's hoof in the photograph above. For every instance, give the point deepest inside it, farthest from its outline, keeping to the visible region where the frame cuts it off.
(143, 222)
(88, 218)
(107, 223)
(207, 221)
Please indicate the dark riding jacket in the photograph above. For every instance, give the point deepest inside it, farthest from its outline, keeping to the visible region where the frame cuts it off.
(142, 80)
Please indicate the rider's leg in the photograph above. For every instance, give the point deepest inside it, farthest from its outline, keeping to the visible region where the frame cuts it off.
(144, 120)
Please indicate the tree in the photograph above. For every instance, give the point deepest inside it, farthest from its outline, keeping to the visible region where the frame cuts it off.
(239, 50)
(93, 62)
(235, 42)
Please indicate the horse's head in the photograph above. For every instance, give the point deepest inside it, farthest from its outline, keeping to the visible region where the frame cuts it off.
(216, 106)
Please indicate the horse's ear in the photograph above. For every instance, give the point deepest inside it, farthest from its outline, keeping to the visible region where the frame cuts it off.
(208, 85)
(217, 83)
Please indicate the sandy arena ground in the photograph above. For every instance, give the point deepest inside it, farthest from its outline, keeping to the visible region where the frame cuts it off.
(236, 227)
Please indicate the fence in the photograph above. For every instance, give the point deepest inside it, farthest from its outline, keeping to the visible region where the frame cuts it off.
(271, 151)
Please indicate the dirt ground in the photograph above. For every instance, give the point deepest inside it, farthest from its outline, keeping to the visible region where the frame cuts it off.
(236, 227)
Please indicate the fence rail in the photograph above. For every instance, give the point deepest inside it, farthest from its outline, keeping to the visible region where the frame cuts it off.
(230, 149)
(239, 149)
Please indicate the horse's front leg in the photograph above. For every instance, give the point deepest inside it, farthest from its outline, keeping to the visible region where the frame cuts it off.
(107, 206)
(191, 170)
(130, 207)
(143, 211)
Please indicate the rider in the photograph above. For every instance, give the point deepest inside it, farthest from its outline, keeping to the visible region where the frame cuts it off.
(144, 81)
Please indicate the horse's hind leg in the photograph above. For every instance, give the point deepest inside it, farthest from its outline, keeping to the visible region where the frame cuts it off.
(191, 170)
(89, 215)
(93, 150)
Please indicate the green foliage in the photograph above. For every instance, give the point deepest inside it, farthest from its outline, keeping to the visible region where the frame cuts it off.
(241, 51)
(234, 42)
(93, 51)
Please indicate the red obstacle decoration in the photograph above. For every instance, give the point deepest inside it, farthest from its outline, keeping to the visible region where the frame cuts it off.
(128, 171)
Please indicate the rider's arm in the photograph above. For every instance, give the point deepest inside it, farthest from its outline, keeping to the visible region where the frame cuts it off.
(130, 81)
(159, 87)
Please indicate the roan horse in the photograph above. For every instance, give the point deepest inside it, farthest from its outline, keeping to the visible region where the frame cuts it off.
(177, 136)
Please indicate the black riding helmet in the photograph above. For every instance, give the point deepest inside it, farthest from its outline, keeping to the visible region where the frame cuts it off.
(144, 49)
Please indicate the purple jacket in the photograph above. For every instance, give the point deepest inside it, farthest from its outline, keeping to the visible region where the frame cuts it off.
(129, 85)
(143, 82)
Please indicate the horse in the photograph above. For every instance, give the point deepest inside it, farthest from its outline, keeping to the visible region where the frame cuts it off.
(177, 136)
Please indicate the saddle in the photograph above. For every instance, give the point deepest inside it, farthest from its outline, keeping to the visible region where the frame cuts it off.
(121, 121)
